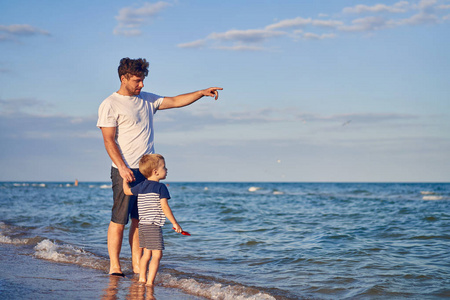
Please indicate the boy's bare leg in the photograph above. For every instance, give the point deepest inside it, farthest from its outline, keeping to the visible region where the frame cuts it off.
(136, 252)
(144, 265)
(115, 236)
(154, 266)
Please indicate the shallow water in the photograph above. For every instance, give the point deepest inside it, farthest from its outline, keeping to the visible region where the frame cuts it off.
(258, 240)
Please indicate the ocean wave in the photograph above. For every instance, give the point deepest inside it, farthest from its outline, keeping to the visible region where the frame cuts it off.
(432, 198)
(64, 253)
(213, 290)
(427, 193)
(14, 241)
(8, 235)
(53, 251)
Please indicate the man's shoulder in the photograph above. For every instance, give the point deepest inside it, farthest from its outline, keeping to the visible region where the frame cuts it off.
(111, 98)
(149, 96)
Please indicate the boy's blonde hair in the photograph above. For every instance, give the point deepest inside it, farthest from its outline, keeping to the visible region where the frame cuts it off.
(148, 163)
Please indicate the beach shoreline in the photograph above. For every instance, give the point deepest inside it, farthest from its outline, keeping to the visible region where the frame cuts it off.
(23, 276)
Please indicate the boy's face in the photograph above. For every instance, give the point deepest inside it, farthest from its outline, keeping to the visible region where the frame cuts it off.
(161, 171)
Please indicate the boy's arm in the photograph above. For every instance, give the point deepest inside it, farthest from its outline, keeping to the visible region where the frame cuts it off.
(168, 212)
(126, 188)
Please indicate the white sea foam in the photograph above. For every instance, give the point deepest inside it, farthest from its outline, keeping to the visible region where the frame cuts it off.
(253, 189)
(5, 239)
(105, 186)
(8, 240)
(213, 290)
(49, 250)
(432, 198)
(21, 184)
(427, 193)
(39, 184)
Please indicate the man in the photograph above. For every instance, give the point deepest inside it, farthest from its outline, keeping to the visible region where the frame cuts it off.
(126, 121)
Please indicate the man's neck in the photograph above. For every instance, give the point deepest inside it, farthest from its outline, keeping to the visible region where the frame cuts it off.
(124, 92)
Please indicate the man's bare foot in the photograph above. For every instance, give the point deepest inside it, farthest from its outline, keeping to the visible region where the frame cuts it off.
(115, 271)
(142, 280)
(136, 269)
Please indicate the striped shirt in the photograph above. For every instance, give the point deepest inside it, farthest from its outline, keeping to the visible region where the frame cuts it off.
(149, 194)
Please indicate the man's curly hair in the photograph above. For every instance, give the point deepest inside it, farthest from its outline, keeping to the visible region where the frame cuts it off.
(136, 67)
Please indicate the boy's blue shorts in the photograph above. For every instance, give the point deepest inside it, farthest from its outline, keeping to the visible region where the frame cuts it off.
(124, 205)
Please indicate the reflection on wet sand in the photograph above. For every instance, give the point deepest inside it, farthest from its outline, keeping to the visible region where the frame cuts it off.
(136, 291)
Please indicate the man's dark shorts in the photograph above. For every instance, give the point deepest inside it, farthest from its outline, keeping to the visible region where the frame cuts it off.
(124, 205)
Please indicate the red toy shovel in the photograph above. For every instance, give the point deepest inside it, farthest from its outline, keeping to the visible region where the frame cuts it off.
(183, 232)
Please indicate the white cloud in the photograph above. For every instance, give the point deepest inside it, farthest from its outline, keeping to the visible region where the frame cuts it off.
(240, 48)
(247, 36)
(289, 23)
(242, 40)
(420, 12)
(399, 7)
(419, 19)
(22, 29)
(302, 22)
(314, 36)
(12, 32)
(194, 44)
(194, 120)
(132, 19)
(23, 105)
(426, 5)
(366, 24)
(362, 117)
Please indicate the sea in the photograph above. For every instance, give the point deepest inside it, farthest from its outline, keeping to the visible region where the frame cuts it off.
(249, 240)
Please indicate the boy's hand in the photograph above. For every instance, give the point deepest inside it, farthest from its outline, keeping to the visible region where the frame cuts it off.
(126, 188)
(177, 228)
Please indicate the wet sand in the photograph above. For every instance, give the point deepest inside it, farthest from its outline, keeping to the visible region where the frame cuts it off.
(24, 277)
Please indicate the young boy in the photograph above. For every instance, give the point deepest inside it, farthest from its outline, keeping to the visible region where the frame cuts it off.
(153, 210)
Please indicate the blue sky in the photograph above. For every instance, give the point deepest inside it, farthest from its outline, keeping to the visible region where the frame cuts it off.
(317, 90)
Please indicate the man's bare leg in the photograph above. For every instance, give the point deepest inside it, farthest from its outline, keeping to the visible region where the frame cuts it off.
(136, 252)
(115, 237)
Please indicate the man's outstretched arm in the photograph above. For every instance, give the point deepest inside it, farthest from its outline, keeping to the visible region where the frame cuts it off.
(186, 99)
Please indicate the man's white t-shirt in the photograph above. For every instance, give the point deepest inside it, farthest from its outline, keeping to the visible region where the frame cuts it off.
(133, 118)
